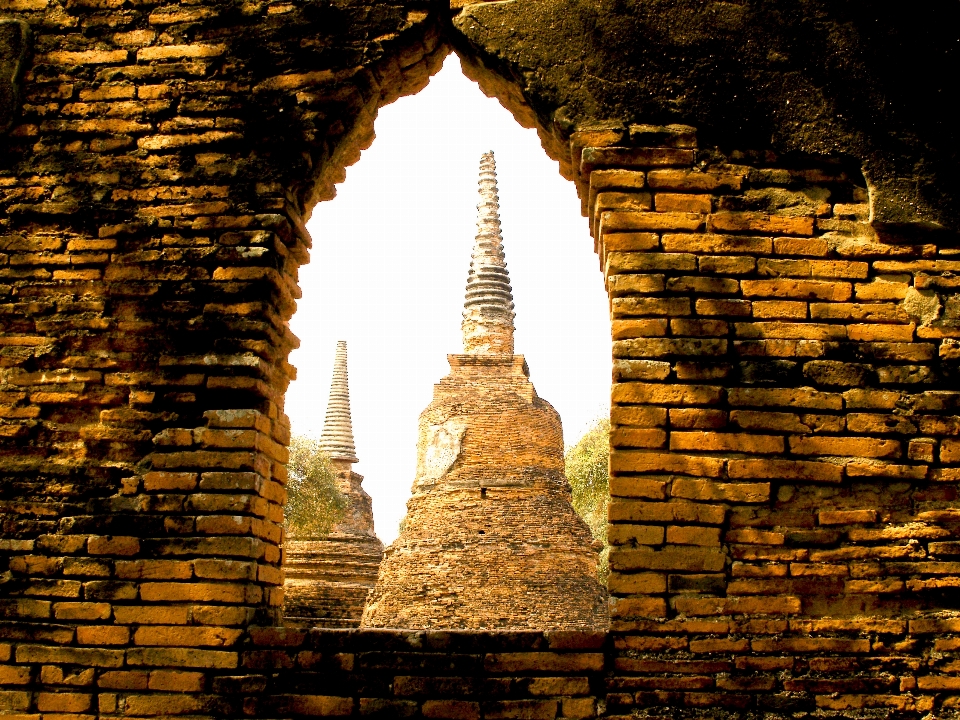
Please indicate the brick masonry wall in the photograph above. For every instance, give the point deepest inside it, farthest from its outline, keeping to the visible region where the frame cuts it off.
(784, 436)
(785, 421)
(153, 189)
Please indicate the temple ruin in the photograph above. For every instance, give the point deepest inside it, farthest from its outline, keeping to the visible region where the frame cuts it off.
(328, 578)
(773, 195)
(490, 539)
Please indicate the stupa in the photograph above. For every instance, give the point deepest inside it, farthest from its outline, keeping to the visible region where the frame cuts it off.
(490, 539)
(328, 578)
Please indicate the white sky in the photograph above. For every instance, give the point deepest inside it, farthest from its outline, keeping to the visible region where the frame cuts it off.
(389, 265)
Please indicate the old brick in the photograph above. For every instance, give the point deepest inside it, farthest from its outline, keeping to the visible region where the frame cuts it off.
(542, 662)
(739, 606)
(693, 180)
(102, 635)
(726, 442)
(848, 446)
(662, 394)
(638, 461)
(715, 244)
(451, 710)
(758, 222)
(698, 489)
(845, 517)
(682, 558)
(637, 583)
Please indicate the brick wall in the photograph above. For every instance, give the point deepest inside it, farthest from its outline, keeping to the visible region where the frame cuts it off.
(153, 190)
(784, 434)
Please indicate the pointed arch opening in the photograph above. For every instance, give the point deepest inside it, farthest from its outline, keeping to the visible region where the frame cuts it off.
(390, 258)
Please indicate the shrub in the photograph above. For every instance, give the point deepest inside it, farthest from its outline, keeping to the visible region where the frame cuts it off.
(314, 501)
(587, 469)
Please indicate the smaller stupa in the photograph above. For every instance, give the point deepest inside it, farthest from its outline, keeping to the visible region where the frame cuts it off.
(328, 578)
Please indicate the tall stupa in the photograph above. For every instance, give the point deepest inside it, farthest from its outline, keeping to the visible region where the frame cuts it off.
(490, 539)
(328, 578)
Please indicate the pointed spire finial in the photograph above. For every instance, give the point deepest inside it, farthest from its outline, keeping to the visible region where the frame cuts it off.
(337, 436)
(488, 308)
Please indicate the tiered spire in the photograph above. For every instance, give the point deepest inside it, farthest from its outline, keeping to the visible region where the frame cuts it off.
(337, 436)
(488, 308)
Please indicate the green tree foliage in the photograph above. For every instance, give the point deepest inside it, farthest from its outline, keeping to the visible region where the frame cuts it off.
(587, 469)
(314, 502)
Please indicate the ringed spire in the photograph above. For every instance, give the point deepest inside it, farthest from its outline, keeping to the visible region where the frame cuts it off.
(337, 436)
(488, 306)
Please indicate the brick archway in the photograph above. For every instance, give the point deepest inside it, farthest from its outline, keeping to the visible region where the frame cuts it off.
(784, 423)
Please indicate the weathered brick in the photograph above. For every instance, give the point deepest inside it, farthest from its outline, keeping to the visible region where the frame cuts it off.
(680, 557)
(849, 446)
(693, 180)
(698, 489)
(759, 222)
(660, 394)
(715, 244)
(637, 461)
(739, 606)
(451, 709)
(726, 442)
(542, 662)
(181, 657)
(798, 289)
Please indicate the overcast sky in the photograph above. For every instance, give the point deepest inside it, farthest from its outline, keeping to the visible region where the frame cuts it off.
(389, 265)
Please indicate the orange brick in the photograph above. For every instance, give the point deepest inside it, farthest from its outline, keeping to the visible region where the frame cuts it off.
(647, 607)
(846, 446)
(644, 462)
(665, 512)
(699, 489)
(622, 201)
(64, 702)
(102, 635)
(622, 329)
(759, 222)
(626, 242)
(660, 394)
(950, 451)
(790, 398)
(637, 583)
(727, 442)
(158, 481)
(693, 180)
(680, 202)
(637, 437)
(176, 680)
(620, 221)
(691, 535)
(14, 675)
(638, 487)
(738, 606)
(797, 289)
(779, 309)
(81, 611)
(756, 537)
(190, 636)
(716, 244)
(123, 680)
(451, 710)
(846, 517)
(620, 179)
(110, 545)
